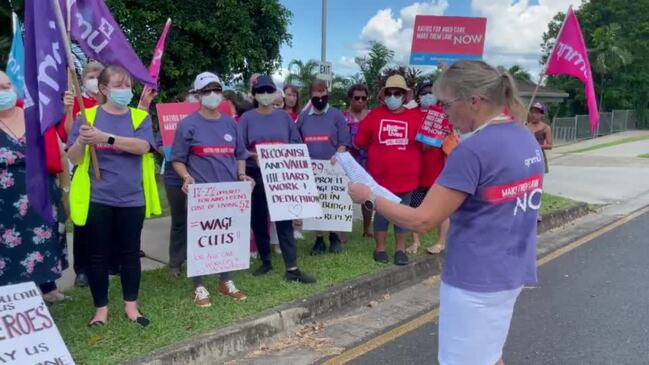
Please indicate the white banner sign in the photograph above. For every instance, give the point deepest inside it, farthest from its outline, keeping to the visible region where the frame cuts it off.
(288, 181)
(337, 206)
(28, 334)
(218, 228)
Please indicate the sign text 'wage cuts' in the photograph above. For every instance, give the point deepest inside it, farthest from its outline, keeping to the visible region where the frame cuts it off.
(288, 181)
(218, 227)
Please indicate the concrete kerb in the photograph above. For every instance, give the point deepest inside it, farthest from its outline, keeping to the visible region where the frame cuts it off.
(225, 344)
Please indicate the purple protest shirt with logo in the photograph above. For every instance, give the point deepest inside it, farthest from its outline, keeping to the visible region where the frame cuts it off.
(274, 128)
(121, 172)
(492, 241)
(324, 133)
(209, 148)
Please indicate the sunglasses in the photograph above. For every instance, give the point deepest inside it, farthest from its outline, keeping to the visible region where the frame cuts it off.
(357, 98)
(265, 90)
(397, 94)
(209, 91)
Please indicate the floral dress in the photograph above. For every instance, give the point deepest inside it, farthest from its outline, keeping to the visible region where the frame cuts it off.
(30, 248)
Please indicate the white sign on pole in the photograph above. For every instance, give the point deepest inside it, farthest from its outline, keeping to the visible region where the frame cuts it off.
(28, 334)
(337, 206)
(288, 181)
(325, 72)
(218, 228)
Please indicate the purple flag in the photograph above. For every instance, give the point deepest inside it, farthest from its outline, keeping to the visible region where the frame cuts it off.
(45, 83)
(102, 39)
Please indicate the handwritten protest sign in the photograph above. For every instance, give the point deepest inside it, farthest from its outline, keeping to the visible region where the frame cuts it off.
(218, 228)
(28, 334)
(337, 206)
(288, 181)
(434, 128)
(169, 115)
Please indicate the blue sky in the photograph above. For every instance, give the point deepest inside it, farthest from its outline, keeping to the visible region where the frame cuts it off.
(514, 28)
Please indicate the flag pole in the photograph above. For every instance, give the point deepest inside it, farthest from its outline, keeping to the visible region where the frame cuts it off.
(75, 82)
(545, 66)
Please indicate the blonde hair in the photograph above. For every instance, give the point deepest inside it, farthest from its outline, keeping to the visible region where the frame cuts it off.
(477, 78)
(92, 66)
(104, 79)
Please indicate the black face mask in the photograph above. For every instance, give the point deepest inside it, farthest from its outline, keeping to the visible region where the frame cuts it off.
(320, 102)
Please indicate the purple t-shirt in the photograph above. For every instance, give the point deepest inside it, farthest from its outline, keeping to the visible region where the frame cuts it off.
(275, 128)
(492, 241)
(323, 133)
(171, 178)
(121, 172)
(209, 148)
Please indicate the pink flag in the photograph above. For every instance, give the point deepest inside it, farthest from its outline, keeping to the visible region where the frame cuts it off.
(156, 62)
(569, 57)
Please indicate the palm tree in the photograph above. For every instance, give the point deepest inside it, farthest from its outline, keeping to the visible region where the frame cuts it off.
(372, 65)
(301, 74)
(609, 56)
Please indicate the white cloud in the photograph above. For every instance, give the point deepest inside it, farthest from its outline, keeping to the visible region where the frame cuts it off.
(515, 29)
(279, 76)
(346, 62)
(396, 32)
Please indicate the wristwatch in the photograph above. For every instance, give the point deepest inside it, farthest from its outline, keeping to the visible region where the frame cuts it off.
(370, 203)
(111, 140)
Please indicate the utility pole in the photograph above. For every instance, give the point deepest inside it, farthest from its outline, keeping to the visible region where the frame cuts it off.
(323, 44)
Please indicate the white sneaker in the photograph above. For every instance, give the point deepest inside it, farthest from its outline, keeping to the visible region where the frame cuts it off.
(202, 297)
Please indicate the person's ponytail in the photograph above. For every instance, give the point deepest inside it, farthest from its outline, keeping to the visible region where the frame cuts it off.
(513, 103)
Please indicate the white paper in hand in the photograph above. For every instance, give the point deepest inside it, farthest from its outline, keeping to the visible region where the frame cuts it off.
(357, 174)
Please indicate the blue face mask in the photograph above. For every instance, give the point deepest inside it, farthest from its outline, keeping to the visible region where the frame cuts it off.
(393, 103)
(428, 100)
(7, 99)
(120, 97)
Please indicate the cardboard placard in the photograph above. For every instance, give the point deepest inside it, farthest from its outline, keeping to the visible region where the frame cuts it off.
(447, 39)
(434, 129)
(28, 334)
(337, 206)
(218, 227)
(288, 181)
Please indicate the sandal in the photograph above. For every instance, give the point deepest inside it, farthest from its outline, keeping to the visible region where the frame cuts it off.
(435, 249)
(141, 320)
(413, 249)
(97, 323)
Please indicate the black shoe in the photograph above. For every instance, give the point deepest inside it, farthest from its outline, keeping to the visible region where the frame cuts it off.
(400, 258)
(335, 246)
(142, 254)
(319, 247)
(81, 281)
(263, 269)
(381, 257)
(141, 320)
(298, 276)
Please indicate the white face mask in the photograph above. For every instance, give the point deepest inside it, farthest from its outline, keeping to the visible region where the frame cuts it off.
(91, 85)
(265, 99)
(212, 100)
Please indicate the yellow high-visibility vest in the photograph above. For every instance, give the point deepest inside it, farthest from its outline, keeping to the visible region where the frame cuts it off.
(80, 186)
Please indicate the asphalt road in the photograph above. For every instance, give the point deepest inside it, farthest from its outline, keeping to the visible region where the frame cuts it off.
(591, 307)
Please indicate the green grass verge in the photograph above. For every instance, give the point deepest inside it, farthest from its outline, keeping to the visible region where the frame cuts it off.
(646, 155)
(611, 144)
(167, 301)
(553, 203)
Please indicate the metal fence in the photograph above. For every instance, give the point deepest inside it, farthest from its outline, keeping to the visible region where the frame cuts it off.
(577, 128)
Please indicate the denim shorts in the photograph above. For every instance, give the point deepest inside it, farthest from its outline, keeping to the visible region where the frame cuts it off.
(381, 224)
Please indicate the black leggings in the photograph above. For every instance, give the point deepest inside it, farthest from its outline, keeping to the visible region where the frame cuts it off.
(114, 230)
(260, 225)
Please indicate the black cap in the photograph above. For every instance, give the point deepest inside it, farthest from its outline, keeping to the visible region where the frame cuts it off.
(263, 82)
(423, 84)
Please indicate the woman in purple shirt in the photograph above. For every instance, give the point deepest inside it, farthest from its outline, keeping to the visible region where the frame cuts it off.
(117, 204)
(207, 149)
(325, 132)
(491, 188)
(265, 125)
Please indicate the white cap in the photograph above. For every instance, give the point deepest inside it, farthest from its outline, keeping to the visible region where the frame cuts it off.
(205, 79)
